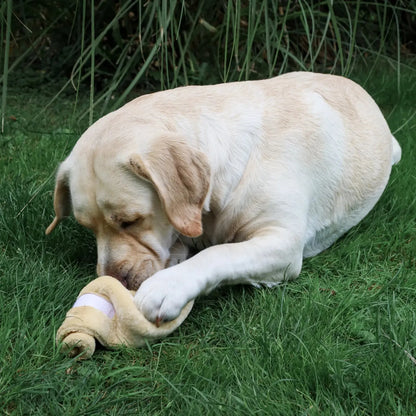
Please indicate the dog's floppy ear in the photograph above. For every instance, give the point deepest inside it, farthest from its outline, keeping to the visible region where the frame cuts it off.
(62, 198)
(180, 175)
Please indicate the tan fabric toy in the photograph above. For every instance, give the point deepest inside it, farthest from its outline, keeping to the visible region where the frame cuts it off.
(105, 311)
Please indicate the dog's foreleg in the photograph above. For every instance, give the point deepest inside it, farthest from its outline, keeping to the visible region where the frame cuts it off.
(269, 257)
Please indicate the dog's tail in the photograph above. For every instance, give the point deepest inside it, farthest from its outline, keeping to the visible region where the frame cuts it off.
(396, 153)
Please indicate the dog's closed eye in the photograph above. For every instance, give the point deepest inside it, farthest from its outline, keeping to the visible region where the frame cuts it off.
(127, 224)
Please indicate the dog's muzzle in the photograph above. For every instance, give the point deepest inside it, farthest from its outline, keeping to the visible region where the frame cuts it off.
(131, 275)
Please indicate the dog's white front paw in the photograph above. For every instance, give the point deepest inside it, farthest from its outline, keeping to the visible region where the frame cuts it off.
(162, 296)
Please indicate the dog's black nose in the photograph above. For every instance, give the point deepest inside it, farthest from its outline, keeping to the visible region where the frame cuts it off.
(132, 277)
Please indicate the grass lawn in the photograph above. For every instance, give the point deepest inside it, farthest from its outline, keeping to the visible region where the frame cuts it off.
(339, 340)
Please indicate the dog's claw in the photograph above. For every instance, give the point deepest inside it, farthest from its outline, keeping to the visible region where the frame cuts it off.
(158, 321)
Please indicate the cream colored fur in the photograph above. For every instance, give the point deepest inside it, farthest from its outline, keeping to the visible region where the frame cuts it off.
(258, 175)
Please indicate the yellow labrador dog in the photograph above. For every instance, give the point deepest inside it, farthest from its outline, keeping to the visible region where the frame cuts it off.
(256, 175)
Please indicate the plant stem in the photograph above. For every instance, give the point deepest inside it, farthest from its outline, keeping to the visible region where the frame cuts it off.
(92, 71)
(6, 62)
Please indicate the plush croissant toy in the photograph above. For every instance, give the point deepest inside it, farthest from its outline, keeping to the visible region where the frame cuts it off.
(105, 311)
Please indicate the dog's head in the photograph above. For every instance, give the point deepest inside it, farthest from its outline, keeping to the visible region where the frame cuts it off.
(135, 190)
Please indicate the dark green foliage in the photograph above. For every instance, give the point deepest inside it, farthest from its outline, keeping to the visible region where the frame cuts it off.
(161, 44)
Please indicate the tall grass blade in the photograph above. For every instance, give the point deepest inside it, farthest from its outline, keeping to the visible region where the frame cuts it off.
(337, 33)
(6, 62)
(139, 74)
(77, 86)
(398, 48)
(86, 54)
(352, 33)
(92, 68)
(309, 31)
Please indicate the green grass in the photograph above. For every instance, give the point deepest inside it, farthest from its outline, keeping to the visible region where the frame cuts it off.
(338, 341)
